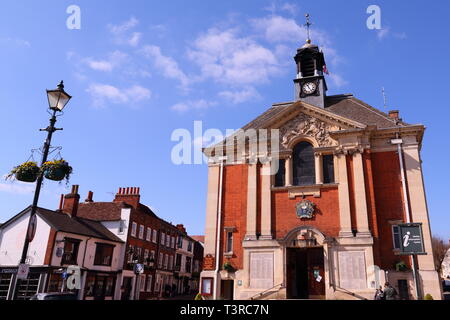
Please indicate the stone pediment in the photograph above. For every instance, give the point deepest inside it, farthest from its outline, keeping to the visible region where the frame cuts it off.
(312, 123)
(306, 126)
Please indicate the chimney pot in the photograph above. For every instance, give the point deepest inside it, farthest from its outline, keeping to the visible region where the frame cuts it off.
(71, 202)
(90, 197)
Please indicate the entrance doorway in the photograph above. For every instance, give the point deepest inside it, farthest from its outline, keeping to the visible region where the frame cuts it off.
(227, 289)
(305, 273)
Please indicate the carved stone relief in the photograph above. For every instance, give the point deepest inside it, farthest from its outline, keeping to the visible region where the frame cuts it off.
(306, 125)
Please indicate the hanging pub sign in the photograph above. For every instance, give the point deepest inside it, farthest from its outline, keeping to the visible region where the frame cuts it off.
(411, 239)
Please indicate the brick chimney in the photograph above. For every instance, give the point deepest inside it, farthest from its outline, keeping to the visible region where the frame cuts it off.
(89, 197)
(394, 115)
(71, 202)
(181, 228)
(128, 195)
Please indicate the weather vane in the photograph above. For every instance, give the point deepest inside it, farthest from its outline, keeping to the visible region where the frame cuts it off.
(307, 25)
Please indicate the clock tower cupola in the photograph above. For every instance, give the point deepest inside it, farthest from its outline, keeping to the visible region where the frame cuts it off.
(310, 84)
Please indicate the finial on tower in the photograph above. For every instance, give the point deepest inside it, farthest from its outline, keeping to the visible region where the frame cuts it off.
(307, 25)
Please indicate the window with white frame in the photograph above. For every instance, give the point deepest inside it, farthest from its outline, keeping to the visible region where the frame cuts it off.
(163, 238)
(141, 232)
(166, 258)
(148, 236)
(121, 227)
(130, 254)
(145, 256)
(160, 260)
(155, 236)
(229, 244)
(149, 283)
(180, 242)
(170, 262)
(133, 229)
(168, 241)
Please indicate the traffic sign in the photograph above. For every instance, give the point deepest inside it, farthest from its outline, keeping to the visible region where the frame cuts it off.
(22, 271)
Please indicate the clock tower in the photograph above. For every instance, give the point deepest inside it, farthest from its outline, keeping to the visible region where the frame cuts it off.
(310, 84)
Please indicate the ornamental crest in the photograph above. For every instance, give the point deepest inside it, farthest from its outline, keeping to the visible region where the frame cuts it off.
(305, 209)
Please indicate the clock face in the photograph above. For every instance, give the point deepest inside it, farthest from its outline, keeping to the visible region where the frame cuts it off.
(309, 87)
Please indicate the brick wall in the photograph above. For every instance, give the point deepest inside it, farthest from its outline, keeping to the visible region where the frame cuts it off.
(389, 204)
(326, 217)
(234, 209)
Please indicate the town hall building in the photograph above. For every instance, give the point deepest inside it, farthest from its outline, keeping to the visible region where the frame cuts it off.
(324, 224)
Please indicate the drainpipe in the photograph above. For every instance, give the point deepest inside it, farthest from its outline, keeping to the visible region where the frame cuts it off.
(399, 142)
(218, 231)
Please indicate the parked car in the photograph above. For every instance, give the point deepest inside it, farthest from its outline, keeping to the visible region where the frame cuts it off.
(64, 296)
(446, 285)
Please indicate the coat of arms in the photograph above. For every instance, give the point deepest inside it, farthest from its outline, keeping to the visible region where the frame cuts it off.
(305, 209)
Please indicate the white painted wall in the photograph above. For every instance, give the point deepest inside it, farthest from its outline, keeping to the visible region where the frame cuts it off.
(12, 240)
(86, 252)
(114, 227)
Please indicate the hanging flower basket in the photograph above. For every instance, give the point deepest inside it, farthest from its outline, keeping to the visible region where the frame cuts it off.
(57, 170)
(26, 172)
(228, 267)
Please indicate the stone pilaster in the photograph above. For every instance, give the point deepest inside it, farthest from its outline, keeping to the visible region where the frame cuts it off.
(266, 203)
(212, 209)
(344, 199)
(251, 201)
(319, 168)
(362, 218)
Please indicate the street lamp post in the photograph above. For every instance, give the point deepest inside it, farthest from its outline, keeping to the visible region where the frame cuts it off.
(57, 100)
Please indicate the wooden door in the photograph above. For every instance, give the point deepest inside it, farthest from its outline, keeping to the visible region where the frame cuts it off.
(316, 273)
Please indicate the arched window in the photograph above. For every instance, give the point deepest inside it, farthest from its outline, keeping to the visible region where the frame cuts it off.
(304, 164)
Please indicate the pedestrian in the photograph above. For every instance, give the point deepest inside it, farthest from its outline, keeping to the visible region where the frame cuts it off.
(389, 292)
(379, 294)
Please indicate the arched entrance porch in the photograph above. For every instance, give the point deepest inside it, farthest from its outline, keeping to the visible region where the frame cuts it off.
(306, 263)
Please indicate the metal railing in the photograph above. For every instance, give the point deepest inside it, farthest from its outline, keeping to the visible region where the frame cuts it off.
(350, 293)
(262, 293)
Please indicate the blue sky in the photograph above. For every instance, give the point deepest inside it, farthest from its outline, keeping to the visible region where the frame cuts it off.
(138, 70)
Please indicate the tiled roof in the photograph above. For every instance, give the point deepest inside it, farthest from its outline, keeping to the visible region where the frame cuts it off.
(345, 106)
(101, 211)
(199, 238)
(352, 108)
(63, 222)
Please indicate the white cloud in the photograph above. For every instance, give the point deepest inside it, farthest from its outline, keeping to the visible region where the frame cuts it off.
(225, 57)
(103, 93)
(122, 34)
(124, 27)
(17, 187)
(115, 59)
(16, 41)
(292, 8)
(383, 33)
(192, 105)
(337, 80)
(167, 65)
(240, 96)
